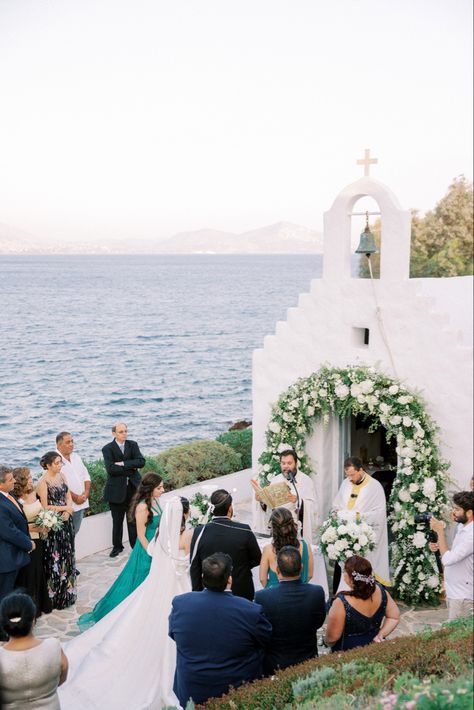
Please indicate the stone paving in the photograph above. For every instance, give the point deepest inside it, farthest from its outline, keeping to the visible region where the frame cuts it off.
(98, 572)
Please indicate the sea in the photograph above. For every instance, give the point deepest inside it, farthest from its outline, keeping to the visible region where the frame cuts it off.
(163, 343)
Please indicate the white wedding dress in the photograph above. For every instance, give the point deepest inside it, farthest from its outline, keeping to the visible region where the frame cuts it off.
(127, 660)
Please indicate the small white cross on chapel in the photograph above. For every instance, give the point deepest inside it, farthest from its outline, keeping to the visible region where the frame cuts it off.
(366, 161)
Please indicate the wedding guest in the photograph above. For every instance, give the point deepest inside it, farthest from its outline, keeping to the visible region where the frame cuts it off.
(30, 669)
(122, 459)
(146, 510)
(76, 475)
(16, 544)
(223, 534)
(219, 637)
(356, 615)
(59, 559)
(295, 610)
(31, 577)
(458, 562)
(284, 532)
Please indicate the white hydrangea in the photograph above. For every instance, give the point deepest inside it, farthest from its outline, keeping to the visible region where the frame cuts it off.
(341, 545)
(429, 487)
(330, 535)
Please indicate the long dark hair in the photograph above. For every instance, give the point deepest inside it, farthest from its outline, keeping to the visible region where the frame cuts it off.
(185, 504)
(144, 493)
(284, 529)
(357, 567)
(48, 459)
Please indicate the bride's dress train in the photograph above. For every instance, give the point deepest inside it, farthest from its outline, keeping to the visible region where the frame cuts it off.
(127, 661)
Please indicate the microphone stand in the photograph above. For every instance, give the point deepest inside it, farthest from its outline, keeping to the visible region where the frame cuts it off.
(292, 479)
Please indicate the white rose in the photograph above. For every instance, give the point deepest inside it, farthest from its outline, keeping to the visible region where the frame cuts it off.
(395, 420)
(397, 506)
(432, 581)
(294, 404)
(421, 507)
(419, 539)
(367, 386)
(355, 390)
(274, 427)
(404, 399)
(342, 530)
(407, 421)
(384, 408)
(414, 487)
(288, 418)
(341, 545)
(342, 391)
(406, 578)
(194, 511)
(322, 392)
(310, 411)
(407, 451)
(429, 486)
(419, 434)
(372, 400)
(332, 552)
(404, 495)
(393, 389)
(357, 546)
(361, 399)
(363, 539)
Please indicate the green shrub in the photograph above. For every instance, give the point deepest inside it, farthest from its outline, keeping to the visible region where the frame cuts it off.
(241, 441)
(432, 693)
(197, 461)
(441, 655)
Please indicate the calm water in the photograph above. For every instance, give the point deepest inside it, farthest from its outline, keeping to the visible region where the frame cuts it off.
(163, 342)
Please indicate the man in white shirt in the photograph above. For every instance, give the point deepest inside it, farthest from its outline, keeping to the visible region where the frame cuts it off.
(458, 561)
(77, 477)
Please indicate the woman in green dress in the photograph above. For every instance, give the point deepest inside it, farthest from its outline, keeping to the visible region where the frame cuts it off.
(145, 507)
(284, 532)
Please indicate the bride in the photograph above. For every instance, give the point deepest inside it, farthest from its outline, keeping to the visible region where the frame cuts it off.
(127, 659)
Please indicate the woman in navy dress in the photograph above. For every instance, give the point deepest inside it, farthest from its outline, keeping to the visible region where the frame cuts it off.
(356, 615)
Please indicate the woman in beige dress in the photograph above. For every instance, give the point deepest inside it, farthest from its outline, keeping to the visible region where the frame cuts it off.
(30, 669)
(31, 577)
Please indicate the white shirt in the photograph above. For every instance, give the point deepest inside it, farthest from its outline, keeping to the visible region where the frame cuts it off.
(458, 564)
(76, 474)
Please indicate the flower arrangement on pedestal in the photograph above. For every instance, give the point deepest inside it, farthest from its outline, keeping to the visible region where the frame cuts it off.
(419, 485)
(345, 534)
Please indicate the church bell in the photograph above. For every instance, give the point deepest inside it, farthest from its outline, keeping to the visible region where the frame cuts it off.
(367, 244)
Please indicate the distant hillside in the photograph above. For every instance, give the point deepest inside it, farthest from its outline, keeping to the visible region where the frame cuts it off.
(279, 238)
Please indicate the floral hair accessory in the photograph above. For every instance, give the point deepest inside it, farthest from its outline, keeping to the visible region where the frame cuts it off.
(368, 579)
(14, 619)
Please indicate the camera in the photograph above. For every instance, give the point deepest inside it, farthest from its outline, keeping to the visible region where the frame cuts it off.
(424, 518)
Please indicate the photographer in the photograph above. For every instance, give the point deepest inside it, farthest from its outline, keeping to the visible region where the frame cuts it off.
(457, 562)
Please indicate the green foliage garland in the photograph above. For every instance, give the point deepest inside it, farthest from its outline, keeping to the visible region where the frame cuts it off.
(419, 485)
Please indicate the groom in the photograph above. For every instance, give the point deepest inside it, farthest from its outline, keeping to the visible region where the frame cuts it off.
(220, 638)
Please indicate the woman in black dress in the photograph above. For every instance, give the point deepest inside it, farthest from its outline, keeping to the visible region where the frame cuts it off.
(59, 558)
(31, 577)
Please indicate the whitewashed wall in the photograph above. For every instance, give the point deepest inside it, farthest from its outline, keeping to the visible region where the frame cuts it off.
(428, 323)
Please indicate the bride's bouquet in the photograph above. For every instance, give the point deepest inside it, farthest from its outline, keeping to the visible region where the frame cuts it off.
(344, 534)
(199, 509)
(49, 520)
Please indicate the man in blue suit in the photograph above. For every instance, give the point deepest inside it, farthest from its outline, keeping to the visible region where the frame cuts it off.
(219, 638)
(295, 611)
(15, 541)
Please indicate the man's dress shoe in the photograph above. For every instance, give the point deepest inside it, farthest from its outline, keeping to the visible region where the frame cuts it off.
(116, 551)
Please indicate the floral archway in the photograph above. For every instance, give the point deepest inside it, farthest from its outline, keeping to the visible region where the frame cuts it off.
(419, 484)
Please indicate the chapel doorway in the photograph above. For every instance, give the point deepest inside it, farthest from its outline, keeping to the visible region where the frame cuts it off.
(365, 437)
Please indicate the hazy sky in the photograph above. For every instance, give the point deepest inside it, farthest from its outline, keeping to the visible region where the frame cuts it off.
(147, 117)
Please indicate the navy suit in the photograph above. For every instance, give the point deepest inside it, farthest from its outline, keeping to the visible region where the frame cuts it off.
(15, 544)
(295, 611)
(121, 484)
(219, 640)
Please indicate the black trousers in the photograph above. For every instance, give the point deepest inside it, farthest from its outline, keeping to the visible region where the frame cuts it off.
(119, 511)
(7, 582)
(337, 577)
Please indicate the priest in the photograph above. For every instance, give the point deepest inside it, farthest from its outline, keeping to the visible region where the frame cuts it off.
(302, 502)
(361, 494)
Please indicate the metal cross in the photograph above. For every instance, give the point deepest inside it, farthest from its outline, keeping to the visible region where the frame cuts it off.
(366, 161)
